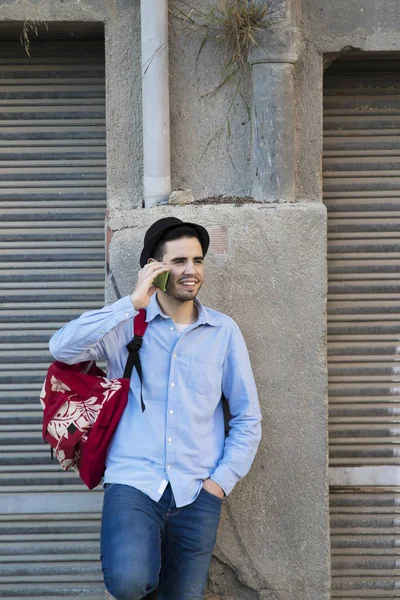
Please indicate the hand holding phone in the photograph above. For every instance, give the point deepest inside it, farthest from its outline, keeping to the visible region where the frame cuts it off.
(145, 287)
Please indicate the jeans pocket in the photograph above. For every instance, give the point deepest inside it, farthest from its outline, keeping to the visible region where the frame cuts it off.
(220, 500)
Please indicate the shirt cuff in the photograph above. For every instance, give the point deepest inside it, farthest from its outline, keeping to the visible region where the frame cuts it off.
(123, 309)
(225, 478)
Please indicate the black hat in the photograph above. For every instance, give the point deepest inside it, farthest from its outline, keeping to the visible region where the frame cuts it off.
(156, 232)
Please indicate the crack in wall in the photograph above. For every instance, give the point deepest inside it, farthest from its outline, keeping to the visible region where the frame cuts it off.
(225, 584)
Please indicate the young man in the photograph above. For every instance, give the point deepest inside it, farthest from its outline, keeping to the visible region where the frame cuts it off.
(169, 467)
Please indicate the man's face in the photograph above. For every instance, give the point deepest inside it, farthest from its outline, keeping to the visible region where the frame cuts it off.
(185, 257)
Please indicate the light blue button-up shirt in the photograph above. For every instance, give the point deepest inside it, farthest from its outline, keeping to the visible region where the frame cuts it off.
(180, 438)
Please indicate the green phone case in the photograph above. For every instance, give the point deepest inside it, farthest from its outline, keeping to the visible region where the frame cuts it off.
(161, 281)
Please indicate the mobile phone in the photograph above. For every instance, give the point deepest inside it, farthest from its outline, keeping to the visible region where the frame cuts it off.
(161, 281)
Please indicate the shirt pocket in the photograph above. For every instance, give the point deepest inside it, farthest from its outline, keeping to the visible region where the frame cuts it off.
(203, 377)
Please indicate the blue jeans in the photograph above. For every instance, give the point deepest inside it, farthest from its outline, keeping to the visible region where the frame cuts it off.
(147, 544)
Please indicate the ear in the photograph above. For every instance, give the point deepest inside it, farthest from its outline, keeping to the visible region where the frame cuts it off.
(151, 260)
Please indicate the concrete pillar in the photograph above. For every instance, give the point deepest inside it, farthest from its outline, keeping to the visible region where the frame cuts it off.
(274, 127)
(273, 542)
(274, 132)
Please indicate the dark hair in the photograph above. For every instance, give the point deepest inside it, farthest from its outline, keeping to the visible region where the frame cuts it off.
(173, 234)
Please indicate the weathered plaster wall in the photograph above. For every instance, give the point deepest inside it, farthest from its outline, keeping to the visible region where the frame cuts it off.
(364, 24)
(53, 10)
(124, 104)
(205, 156)
(273, 537)
(308, 117)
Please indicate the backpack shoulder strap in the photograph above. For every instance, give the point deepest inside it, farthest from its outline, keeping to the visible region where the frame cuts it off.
(139, 323)
(139, 329)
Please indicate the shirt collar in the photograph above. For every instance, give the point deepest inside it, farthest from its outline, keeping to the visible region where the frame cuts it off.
(205, 317)
(153, 310)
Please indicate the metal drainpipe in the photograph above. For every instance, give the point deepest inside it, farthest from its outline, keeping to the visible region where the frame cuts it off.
(155, 94)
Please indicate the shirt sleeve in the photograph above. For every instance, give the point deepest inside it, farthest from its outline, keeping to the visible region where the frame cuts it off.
(239, 389)
(82, 338)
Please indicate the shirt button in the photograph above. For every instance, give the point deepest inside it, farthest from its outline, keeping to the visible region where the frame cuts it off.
(170, 440)
(171, 412)
(172, 384)
(103, 331)
(168, 467)
(174, 355)
(171, 329)
(127, 314)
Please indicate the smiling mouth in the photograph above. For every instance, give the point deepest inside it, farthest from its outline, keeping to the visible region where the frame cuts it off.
(189, 283)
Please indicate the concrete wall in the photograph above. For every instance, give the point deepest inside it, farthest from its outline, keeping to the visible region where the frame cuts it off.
(363, 24)
(205, 156)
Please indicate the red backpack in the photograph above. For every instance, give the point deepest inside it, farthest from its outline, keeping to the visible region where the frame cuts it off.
(82, 409)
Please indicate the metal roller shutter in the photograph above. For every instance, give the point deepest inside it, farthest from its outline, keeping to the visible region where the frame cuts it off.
(362, 194)
(50, 556)
(52, 207)
(52, 204)
(365, 543)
